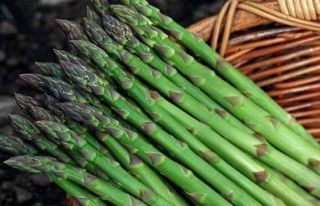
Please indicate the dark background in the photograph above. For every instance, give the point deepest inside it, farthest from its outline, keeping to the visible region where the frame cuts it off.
(28, 33)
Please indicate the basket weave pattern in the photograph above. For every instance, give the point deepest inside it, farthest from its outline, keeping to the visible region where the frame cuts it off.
(277, 44)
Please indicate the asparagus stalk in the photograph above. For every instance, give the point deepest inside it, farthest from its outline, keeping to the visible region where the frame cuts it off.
(178, 174)
(123, 35)
(31, 132)
(179, 131)
(73, 141)
(15, 145)
(245, 141)
(60, 171)
(242, 107)
(211, 57)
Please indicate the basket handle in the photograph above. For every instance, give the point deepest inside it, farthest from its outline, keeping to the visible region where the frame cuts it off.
(243, 14)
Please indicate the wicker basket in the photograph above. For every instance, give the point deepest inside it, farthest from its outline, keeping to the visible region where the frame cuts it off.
(276, 43)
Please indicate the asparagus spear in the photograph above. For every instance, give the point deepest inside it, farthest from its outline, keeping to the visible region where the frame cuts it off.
(247, 142)
(30, 132)
(167, 121)
(201, 49)
(178, 174)
(15, 145)
(73, 141)
(72, 28)
(123, 35)
(256, 118)
(60, 171)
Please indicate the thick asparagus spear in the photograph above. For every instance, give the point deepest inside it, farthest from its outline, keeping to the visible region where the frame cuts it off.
(256, 118)
(15, 145)
(123, 35)
(178, 174)
(60, 171)
(245, 141)
(73, 141)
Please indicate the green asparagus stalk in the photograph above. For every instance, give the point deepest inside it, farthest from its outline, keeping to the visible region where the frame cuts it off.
(179, 131)
(60, 171)
(73, 141)
(31, 132)
(15, 145)
(178, 174)
(123, 35)
(230, 98)
(201, 49)
(245, 141)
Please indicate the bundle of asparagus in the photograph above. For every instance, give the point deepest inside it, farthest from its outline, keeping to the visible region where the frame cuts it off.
(128, 117)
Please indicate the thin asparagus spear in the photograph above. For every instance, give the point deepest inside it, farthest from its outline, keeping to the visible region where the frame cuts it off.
(167, 121)
(30, 132)
(55, 169)
(178, 174)
(73, 141)
(247, 142)
(256, 118)
(15, 145)
(123, 35)
(201, 49)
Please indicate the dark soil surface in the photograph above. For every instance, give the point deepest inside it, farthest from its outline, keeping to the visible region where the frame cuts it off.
(28, 33)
